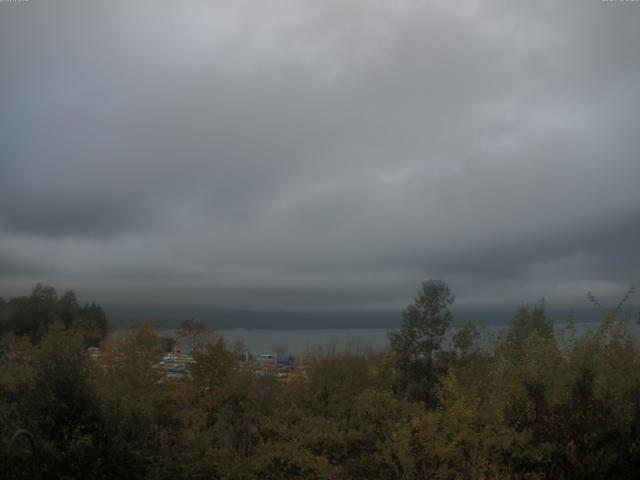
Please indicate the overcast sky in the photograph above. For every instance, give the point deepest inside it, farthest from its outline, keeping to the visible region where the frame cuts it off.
(325, 154)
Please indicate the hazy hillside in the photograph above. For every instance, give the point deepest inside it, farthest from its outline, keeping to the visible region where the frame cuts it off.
(220, 318)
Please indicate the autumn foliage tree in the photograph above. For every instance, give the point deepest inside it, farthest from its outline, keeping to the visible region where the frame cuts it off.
(419, 342)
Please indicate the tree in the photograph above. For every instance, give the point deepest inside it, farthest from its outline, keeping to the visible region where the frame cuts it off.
(526, 323)
(61, 409)
(32, 315)
(465, 340)
(93, 321)
(214, 363)
(192, 334)
(419, 341)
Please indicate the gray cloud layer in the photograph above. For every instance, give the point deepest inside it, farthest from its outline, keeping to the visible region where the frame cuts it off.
(313, 155)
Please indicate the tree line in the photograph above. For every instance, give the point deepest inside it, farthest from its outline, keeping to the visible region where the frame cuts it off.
(441, 402)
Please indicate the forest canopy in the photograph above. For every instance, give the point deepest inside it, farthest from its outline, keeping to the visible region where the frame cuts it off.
(33, 315)
(443, 401)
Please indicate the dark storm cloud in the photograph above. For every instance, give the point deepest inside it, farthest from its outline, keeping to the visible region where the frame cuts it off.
(320, 154)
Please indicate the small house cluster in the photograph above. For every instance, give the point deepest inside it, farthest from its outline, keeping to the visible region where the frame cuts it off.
(176, 364)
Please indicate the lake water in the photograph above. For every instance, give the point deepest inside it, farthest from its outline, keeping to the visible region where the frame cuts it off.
(299, 342)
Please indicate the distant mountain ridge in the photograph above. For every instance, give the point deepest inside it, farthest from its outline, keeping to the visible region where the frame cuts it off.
(222, 318)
